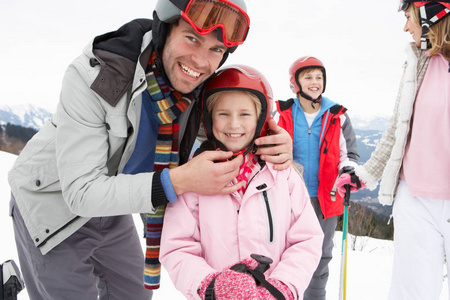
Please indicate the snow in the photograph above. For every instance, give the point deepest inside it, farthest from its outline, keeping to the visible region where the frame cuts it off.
(368, 268)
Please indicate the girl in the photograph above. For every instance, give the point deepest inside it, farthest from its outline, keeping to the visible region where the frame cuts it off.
(204, 235)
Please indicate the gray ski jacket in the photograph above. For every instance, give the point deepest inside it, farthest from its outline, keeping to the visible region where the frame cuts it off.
(70, 170)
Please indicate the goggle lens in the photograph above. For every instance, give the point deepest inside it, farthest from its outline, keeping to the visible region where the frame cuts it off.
(403, 6)
(207, 15)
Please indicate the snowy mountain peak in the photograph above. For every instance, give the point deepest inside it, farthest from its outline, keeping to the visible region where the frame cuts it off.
(370, 123)
(26, 115)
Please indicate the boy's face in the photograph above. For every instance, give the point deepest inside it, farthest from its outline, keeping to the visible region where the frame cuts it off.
(234, 120)
(190, 58)
(311, 83)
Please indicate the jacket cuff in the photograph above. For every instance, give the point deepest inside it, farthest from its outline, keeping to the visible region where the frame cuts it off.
(366, 177)
(167, 186)
(158, 193)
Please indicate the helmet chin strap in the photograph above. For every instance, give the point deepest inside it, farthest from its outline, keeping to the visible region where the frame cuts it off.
(424, 42)
(253, 148)
(307, 97)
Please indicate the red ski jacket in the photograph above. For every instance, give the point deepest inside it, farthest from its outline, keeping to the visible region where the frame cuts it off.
(330, 156)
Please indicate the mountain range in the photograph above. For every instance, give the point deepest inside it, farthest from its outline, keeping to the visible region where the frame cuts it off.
(25, 115)
(368, 132)
(29, 115)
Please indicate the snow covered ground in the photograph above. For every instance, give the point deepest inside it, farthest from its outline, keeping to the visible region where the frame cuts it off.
(368, 270)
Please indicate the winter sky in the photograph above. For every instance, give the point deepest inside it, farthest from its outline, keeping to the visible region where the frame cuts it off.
(360, 42)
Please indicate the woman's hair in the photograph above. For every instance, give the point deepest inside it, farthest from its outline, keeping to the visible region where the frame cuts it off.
(298, 168)
(438, 34)
(211, 101)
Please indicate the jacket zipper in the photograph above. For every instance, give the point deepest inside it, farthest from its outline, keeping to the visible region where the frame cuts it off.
(269, 216)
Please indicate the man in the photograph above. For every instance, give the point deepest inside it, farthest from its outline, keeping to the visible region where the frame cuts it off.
(127, 117)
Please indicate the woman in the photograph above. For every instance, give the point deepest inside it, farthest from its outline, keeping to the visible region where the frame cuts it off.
(412, 156)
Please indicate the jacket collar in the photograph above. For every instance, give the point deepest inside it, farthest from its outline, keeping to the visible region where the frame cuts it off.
(118, 54)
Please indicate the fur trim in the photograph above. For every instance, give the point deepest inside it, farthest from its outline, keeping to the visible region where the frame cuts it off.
(370, 181)
(385, 163)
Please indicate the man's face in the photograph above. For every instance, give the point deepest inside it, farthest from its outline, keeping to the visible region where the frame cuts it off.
(190, 58)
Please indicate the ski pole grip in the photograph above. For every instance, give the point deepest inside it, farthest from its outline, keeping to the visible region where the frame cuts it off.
(263, 262)
(258, 273)
(347, 195)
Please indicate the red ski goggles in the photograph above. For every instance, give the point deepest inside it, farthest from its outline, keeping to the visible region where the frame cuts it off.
(208, 15)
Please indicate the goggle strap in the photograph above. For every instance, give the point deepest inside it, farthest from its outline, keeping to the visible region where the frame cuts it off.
(180, 4)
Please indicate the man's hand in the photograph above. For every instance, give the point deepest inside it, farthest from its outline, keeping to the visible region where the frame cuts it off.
(276, 148)
(203, 175)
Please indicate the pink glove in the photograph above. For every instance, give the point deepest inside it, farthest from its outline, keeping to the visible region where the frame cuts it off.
(204, 284)
(263, 293)
(231, 284)
(345, 179)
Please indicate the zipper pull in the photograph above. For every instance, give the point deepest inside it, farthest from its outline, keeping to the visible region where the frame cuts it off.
(309, 130)
(262, 186)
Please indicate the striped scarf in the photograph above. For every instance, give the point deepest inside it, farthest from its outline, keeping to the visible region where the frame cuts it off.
(168, 105)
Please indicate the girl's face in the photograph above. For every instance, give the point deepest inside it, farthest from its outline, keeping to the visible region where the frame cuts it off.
(312, 83)
(413, 27)
(234, 120)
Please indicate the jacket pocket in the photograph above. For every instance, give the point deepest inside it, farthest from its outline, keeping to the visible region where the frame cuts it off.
(45, 178)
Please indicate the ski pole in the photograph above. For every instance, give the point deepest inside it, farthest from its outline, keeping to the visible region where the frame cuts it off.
(343, 275)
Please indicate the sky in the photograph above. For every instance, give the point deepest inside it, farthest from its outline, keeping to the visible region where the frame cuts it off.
(361, 44)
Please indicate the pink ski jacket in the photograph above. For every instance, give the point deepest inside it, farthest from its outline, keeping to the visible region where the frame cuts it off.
(204, 234)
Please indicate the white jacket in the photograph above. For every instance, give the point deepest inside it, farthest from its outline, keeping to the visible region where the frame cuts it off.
(386, 161)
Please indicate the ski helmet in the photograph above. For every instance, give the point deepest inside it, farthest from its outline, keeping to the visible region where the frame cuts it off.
(430, 12)
(299, 65)
(241, 78)
(229, 17)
